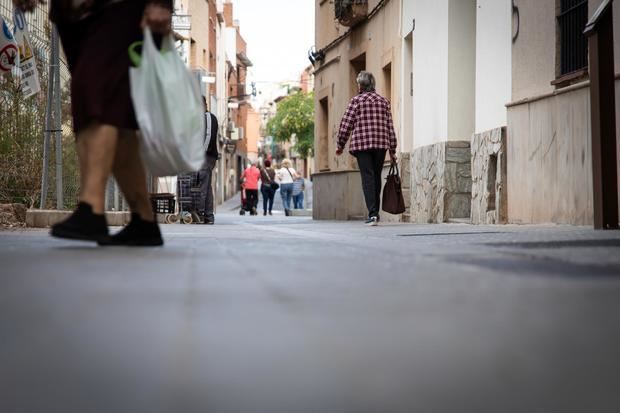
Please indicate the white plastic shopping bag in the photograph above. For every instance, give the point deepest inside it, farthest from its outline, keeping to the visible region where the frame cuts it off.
(169, 110)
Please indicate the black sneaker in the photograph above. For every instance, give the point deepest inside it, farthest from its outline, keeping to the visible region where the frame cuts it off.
(83, 225)
(138, 233)
(372, 221)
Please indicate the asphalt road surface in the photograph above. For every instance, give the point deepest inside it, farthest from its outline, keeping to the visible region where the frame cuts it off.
(285, 315)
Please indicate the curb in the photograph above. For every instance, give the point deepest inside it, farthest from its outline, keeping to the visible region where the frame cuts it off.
(44, 218)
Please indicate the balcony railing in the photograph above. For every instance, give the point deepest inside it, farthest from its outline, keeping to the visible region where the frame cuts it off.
(351, 12)
(181, 22)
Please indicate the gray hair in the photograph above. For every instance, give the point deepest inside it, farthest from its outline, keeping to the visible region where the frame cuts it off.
(366, 80)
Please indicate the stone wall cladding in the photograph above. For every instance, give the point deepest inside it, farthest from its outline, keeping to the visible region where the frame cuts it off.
(405, 172)
(485, 147)
(441, 182)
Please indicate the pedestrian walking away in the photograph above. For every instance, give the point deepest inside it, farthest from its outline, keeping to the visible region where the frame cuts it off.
(251, 176)
(95, 37)
(286, 176)
(368, 122)
(268, 186)
(206, 172)
(299, 186)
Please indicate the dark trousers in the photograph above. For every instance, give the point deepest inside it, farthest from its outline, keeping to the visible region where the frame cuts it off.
(371, 165)
(206, 190)
(251, 199)
(268, 195)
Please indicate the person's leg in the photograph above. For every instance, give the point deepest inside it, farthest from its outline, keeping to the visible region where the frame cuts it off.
(130, 174)
(288, 191)
(208, 184)
(289, 198)
(272, 196)
(378, 161)
(96, 148)
(202, 179)
(252, 199)
(283, 195)
(301, 200)
(365, 163)
(265, 194)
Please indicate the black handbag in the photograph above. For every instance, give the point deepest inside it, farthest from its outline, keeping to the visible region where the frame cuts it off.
(393, 201)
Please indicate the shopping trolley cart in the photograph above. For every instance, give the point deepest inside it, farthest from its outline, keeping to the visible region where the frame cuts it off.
(188, 198)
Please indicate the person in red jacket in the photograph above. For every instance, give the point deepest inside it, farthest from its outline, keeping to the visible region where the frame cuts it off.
(251, 176)
(95, 36)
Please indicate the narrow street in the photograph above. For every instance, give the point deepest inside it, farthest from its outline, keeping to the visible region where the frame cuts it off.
(274, 314)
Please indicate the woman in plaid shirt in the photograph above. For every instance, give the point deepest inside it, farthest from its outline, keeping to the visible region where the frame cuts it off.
(368, 122)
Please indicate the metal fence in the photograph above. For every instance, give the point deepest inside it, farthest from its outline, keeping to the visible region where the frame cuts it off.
(23, 128)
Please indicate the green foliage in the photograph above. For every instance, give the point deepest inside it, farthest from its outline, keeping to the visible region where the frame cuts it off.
(295, 116)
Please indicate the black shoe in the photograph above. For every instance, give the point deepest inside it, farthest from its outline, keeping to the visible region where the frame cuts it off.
(270, 213)
(208, 221)
(82, 225)
(264, 213)
(372, 221)
(138, 233)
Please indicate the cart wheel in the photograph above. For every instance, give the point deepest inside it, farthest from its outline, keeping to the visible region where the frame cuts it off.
(187, 218)
(170, 219)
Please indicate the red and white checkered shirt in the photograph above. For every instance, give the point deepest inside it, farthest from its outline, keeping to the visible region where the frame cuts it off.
(368, 120)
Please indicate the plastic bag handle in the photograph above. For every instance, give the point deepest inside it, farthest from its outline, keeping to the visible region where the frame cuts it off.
(136, 57)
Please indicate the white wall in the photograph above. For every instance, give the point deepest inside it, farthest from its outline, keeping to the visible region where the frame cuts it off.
(231, 44)
(430, 72)
(493, 63)
(407, 16)
(462, 69)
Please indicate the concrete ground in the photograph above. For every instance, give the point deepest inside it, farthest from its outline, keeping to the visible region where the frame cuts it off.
(285, 315)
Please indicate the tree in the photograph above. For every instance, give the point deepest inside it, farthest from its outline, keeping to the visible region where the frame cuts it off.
(295, 116)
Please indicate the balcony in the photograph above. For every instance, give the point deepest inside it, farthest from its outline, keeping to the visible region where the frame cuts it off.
(181, 22)
(351, 12)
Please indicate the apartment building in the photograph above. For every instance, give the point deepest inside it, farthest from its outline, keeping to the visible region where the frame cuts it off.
(351, 36)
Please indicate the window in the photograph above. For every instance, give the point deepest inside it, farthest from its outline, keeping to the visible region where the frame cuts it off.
(573, 51)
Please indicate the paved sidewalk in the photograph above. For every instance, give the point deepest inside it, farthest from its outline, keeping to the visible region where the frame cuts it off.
(285, 314)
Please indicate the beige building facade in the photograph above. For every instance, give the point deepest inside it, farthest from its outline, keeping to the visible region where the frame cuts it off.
(491, 102)
(549, 164)
(373, 45)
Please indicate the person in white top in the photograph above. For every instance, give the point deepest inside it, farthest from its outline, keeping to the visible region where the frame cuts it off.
(286, 176)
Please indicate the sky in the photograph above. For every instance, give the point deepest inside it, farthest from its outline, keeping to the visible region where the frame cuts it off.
(278, 34)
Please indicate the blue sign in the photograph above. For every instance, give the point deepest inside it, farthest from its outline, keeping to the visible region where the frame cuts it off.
(19, 19)
(7, 32)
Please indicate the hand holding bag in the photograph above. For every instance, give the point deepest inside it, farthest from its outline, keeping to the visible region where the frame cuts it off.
(168, 108)
(393, 201)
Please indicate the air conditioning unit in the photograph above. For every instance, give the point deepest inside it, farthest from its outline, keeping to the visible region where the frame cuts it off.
(234, 134)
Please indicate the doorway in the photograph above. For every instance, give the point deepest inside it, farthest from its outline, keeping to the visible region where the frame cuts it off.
(387, 82)
(323, 130)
